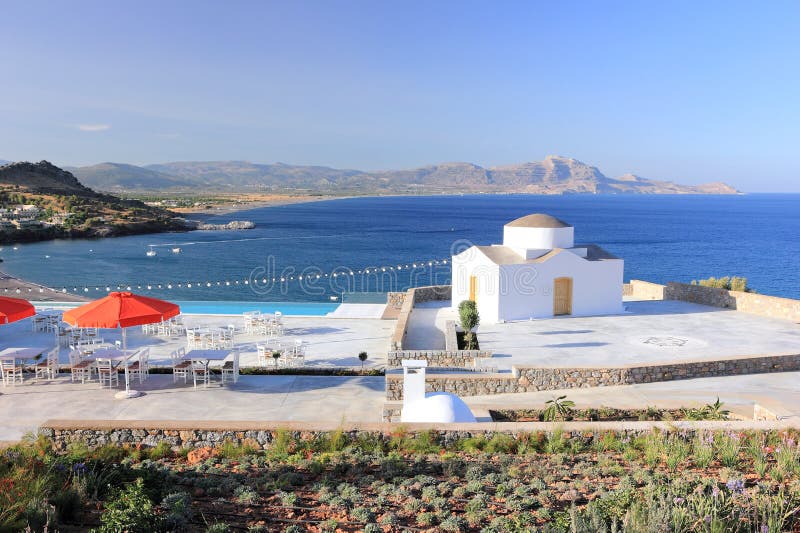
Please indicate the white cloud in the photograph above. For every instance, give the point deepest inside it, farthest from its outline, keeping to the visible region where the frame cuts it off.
(93, 127)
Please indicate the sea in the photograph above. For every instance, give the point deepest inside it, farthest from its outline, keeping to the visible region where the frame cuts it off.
(378, 244)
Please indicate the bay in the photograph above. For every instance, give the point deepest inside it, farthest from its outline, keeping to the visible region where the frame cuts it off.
(661, 237)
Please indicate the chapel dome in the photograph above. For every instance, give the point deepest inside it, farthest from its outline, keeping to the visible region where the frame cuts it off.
(538, 220)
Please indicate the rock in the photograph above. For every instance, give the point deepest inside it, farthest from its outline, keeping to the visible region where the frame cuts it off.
(201, 454)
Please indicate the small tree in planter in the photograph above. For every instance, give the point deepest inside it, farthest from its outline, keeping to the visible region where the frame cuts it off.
(362, 356)
(276, 355)
(469, 319)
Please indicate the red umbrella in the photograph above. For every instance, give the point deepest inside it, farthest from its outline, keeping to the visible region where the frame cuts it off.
(13, 309)
(121, 310)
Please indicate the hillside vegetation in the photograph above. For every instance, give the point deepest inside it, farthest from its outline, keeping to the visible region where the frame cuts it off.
(67, 208)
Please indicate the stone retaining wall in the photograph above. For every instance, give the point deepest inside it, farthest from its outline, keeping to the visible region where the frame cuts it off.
(395, 299)
(197, 434)
(747, 302)
(644, 290)
(413, 296)
(532, 379)
(438, 358)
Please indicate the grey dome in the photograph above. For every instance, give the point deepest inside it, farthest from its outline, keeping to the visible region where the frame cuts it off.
(538, 220)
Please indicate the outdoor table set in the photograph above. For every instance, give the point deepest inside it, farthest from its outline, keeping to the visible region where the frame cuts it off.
(15, 361)
(46, 321)
(200, 364)
(292, 353)
(167, 328)
(270, 325)
(212, 338)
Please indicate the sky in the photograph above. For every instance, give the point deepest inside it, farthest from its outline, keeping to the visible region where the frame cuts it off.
(685, 91)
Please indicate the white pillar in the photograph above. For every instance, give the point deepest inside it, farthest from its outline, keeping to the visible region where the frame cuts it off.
(413, 380)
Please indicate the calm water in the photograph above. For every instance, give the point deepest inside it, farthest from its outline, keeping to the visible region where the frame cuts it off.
(661, 238)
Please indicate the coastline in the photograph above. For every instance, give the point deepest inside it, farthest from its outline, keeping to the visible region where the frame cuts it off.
(9, 285)
(237, 205)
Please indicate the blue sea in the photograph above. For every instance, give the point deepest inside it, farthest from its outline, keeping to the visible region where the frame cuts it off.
(661, 238)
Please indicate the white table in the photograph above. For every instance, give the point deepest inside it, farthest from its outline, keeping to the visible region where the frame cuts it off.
(206, 356)
(23, 355)
(120, 356)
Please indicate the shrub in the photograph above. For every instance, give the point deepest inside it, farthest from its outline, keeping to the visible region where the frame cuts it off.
(558, 408)
(177, 509)
(162, 450)
(129, 510)
(469, 319)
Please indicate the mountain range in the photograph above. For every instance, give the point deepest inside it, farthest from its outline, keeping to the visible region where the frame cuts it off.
(553, 175)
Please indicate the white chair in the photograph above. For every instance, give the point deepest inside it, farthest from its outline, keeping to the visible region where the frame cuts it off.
(140, 367)
(49, 367)
(107, 372)
(11, 371)
(180, 366)
(231, 368)
(264, 354)
(79, 367)
(200, 373)
(193, 339)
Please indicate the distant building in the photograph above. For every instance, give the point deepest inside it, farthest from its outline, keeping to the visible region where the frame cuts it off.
(538, 272)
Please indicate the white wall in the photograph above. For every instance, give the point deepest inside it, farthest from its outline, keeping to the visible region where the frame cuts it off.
(528, 288)
(472, 262)
(538, 238)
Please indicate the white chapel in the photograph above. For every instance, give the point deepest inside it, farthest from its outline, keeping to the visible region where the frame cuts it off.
(538, 272)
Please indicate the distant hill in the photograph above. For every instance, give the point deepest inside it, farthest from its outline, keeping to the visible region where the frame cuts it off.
(553, 175)
(119, 176)
(42, 178)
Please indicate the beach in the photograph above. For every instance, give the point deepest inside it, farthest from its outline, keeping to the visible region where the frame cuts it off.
(18, 288)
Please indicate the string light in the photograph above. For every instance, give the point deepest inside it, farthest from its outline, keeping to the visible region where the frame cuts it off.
(247, 282)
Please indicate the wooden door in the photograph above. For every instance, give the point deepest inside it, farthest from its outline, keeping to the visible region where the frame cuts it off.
(562, 296)
(473, 288)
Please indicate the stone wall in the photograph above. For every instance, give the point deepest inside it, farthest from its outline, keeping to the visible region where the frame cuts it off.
(395, 299)
(747, 302)
(644, 290)
(438, 358)
(627, 289)
(195, 434)
(413, 296)
(531, 379)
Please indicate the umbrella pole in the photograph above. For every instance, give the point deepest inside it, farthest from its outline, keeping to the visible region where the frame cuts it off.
(128, 392)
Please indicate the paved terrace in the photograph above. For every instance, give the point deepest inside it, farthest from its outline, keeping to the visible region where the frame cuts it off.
(256, 398)
(648, 332)
(330, 341)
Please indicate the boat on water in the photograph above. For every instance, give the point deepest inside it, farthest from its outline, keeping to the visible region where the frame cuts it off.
(151, 253)
(176, 250)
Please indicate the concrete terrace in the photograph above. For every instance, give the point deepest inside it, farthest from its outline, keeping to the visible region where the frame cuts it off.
(648, 332)
(259, 398)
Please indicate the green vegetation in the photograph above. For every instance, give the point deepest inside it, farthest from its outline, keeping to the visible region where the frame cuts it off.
(676, 481)
(558, 409)
(734, 283)
(561, 409)
(469, 319)
(362, 356)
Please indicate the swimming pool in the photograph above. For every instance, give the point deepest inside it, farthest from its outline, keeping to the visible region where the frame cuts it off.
(237, 308)
(232, 308)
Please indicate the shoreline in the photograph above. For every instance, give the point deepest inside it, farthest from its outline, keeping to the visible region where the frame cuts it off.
(9, 285)
(237, 206)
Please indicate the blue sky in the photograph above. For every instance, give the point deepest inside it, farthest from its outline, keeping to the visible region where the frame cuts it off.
(685, 91)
